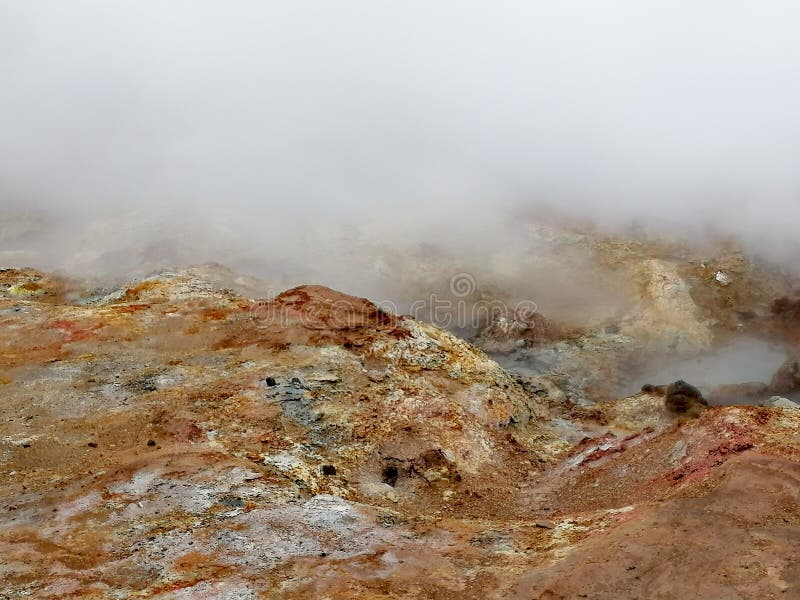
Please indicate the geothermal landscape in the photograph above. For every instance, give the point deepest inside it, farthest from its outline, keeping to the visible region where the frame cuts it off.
(399, 300)
(178, 437)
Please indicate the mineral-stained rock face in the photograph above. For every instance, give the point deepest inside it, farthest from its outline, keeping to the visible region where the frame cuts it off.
(170, 439)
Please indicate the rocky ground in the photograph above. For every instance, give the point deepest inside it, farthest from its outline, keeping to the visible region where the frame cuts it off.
(173, 438)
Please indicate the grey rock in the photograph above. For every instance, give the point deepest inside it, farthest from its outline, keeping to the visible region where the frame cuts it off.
(780, 402)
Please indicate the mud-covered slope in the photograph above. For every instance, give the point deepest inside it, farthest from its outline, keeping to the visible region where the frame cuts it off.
(171, 439)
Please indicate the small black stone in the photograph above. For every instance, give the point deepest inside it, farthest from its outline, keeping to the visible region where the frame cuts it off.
(328, 470)
(271, 382)
(151, 443)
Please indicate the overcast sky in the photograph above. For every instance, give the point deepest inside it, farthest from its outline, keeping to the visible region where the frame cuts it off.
(282, 112)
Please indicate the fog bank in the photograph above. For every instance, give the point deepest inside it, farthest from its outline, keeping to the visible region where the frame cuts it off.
(278, 136)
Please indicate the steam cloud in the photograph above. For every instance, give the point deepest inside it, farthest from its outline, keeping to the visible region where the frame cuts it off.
(278, 136)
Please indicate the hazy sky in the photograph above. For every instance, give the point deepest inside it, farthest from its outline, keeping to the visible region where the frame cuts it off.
(262, 116)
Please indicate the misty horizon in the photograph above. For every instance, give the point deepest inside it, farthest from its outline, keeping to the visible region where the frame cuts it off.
(201, 131)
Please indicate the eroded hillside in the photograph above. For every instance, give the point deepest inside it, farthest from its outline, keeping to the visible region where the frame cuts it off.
(174, 439)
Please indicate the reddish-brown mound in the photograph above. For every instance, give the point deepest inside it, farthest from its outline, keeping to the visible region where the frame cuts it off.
(315, 315)
(738, 541)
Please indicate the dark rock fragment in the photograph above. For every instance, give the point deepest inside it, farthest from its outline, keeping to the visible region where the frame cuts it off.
(232, 502)
(683, 398)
